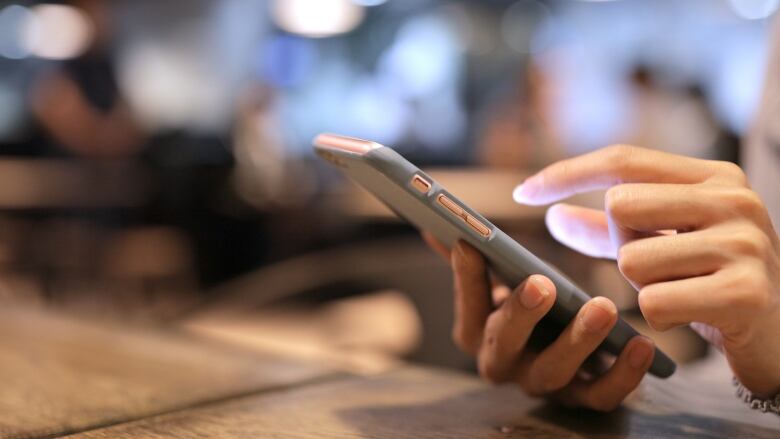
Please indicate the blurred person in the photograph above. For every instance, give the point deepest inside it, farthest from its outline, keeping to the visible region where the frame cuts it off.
(78, 103)
(695, 237)
(80, 113)
(259, 172)
(670, 119)
(518, 132)
(265, 175)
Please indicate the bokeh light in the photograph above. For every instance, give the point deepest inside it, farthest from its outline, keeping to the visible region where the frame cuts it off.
(370, 2)
(13, 18)
(424, 57)
(57, 32)
(317, 18)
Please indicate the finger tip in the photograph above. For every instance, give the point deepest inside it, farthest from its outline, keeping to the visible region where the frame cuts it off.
(605, 304)
(555, 220)
(543, 283)
(555, 209)
(526, 193)
(643, 340)
(552, 213)
(518, 195)
(641, 351)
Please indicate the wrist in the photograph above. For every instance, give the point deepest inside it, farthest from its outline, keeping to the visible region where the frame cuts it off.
(753, 361)
(756, 402)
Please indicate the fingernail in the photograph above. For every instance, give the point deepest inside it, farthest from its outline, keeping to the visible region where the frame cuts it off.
(522, 193)
(533, 294)
(640, 353)
(595, 318)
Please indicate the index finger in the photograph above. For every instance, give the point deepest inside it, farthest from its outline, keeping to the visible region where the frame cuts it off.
(608, 167)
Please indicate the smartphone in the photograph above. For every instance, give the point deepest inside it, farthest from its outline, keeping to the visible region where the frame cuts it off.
(420, 200)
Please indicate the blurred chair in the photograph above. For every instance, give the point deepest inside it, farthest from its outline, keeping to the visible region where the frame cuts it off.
(153, 266)
(148, 254)
(18, 285)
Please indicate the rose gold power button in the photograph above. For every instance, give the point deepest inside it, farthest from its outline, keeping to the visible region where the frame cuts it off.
(421, 184)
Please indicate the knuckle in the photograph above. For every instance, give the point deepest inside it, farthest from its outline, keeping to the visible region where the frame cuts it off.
(745, 202)
(564, 167)
(617, 200)
(628, 261)
(749, 290)
(620, 155)
(750, 300)
(749, 241)
(651, 308)
(732, 173)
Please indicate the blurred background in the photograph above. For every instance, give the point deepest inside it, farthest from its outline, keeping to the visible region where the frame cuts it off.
(156, 167)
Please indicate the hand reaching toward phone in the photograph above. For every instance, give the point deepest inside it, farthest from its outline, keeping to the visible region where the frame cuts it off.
(494, 323)
(690, 235)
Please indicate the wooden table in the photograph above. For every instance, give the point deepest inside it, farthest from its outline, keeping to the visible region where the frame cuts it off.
(62, 376)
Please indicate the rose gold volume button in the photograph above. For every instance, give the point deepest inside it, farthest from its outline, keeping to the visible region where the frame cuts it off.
(477, 226)
(451, 206)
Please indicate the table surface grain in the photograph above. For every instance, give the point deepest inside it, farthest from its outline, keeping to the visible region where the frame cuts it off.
(62, 376)
(421, 403)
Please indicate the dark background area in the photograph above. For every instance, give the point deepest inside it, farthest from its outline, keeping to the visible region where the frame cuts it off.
(155, 157)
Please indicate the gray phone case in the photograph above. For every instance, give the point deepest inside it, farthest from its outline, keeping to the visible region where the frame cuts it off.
(388, 176)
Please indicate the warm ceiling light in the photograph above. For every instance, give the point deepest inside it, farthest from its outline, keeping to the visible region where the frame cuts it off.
(57, 32)
(369, 2)
(317, 18)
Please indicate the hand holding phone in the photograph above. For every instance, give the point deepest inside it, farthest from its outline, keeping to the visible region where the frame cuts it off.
(424, 203)
(494, 323)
